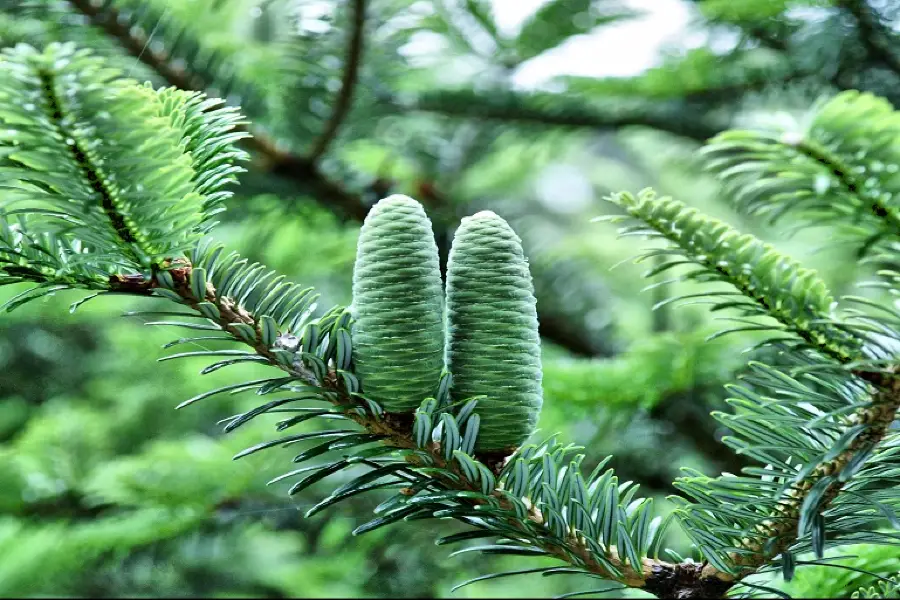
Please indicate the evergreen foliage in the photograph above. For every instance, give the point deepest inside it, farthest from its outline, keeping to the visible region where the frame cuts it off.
(115, 187)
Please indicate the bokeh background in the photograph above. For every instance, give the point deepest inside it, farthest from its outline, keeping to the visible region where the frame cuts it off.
(535, 109)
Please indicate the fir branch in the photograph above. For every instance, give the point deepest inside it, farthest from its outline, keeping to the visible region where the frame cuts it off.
(91, 172)
(780, 531)
(838, 167)
(735, 521)
(395, 430)
(188, 283)
(773, 284)
(344, 100)
(302, 169)
(70, 139)
(842, 173)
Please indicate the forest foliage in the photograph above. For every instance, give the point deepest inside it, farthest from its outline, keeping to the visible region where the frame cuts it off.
(667, 457)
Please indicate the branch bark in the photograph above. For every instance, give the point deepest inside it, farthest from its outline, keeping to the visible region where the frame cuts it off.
(344, 100)
(556, 110)
(110, 20)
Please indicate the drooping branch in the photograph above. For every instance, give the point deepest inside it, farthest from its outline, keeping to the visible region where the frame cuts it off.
(344, 100)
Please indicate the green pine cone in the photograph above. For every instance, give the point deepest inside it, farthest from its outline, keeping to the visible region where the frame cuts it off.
(398, 331)
(494, 348)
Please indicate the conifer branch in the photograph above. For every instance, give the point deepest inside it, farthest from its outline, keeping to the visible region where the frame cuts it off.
(352, 62)
(827, 478)
(848, 181)
(832, 168)
(298, 168)
(395, 430)
(752, 537)
(91, 172)
(780, 531)
(771, 282)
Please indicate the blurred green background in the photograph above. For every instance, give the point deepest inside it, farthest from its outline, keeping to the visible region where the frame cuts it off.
(535, 110)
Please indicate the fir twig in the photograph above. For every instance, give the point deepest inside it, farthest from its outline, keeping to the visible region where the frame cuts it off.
(782, 527)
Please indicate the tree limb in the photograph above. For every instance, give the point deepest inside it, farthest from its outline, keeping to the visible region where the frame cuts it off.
(550, 109)
(298, 168)
(108, 18)
(344, 100)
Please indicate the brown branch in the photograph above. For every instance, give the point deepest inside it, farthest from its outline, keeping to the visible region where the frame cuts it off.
(304, 171)
(109, 19)
(348, 83)
(873, 35)
(555, 110)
